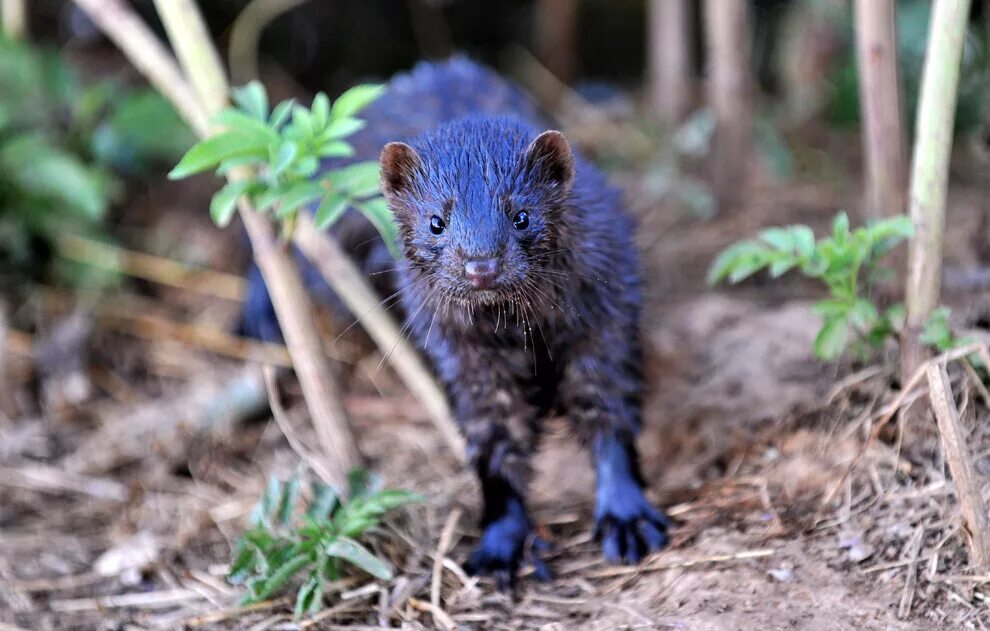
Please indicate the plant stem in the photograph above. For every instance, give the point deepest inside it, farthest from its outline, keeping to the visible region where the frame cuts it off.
(930, 170)
(13, 15)
(292, 305)
(730, 95)
(242, 51)
(325, 253)
(669, 61)
(880, 109)
(133, 37)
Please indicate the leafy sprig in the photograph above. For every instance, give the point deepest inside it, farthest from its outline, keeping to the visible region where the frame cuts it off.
(282, 149)
(846, 262)
(318, 540)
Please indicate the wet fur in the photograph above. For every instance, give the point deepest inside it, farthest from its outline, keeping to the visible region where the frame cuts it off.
(559, 334)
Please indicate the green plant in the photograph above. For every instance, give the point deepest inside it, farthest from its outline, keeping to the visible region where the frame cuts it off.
(318, 539)
(282, 149)
(938, 335)
(63, 144)
(846, 262)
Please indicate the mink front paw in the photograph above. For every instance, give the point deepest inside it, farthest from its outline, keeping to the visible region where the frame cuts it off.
(505, 545)
(628, 526)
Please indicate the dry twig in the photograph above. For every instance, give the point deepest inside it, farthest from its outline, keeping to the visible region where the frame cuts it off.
(974, 510)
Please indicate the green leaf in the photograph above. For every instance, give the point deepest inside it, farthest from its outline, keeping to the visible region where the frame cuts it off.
(282, 575)
(302, 122)
(747, 256)
(287, 502)
(212, 151)
(380, 216)
(253, 99)
(262, 513)
(831, 340)
(804, 241)
(341, 128)
(284, 156)
(321, 111)
(310, 596)
(863, 314)
(781, 266)
(230, 164)
(244, 562)
(324, 501)
(356, 554)
(937, 332)
(362, 483)
(239, 122)
(359, 180)
(331, 209)
(297, 195)
(354, 100)
(335, 149)
(780, 238)
(281, 113)
(224, 202)
(840, 228)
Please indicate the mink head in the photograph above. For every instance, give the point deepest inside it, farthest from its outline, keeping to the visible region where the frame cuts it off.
(480, 204)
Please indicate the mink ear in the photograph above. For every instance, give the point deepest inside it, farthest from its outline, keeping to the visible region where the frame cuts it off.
(550, 156)
(399, 162)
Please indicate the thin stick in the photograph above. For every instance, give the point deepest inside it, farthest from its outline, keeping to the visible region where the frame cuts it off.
(149, 56)
(443, 546)
(242, 53)
(976, 526)
(914, 551)
(930, 171)
(295, 441)
(293, 307)
(194, 47)
(13, 15)
(880, 105)
(326, 255)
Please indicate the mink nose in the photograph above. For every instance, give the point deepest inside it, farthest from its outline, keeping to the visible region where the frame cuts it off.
(481, 272)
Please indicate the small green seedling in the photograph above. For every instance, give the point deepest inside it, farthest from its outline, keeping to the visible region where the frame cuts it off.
(276, 157)
(317, 540)
(938, 335)
(846, 261)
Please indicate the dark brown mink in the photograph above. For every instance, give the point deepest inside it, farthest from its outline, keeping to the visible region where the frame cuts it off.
(520, 282)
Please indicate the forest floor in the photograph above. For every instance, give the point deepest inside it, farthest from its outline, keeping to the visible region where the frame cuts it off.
(146, 446)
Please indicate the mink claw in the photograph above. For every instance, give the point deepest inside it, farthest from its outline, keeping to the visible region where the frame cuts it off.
(629, 540)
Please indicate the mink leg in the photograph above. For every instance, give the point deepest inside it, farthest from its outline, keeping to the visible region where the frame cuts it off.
(602, 391)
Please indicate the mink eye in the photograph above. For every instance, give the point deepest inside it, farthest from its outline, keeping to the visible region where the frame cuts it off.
(521, 220)
(437, 226)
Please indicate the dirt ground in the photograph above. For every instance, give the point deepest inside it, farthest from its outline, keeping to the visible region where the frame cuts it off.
(121, 492)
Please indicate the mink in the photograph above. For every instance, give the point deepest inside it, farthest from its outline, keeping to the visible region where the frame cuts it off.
(520, 282)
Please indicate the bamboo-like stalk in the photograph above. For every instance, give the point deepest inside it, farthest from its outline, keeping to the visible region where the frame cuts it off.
(133, 37)
(13, 16)
(730, 95)
(197, 55)
(670, 59)
(292, 305)
(326, 255)
(242, 51)
(880, 107)
(930, 170)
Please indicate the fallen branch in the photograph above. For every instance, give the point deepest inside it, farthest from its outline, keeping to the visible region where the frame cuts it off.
(976, 526)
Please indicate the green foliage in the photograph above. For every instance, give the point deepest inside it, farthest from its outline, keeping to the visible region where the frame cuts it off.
(318, 539)
(912, 19)
(62, 145)
(846, 262)
(939, 335)
(282, 149)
